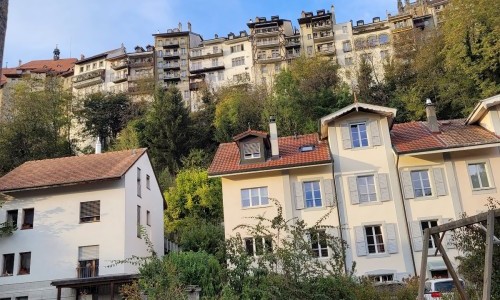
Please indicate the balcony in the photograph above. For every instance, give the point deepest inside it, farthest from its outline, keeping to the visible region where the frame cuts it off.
(205, 68)
(323, 37)
(292, 55)
(169, 66)
(208, 54)
(269, 59)
(141, 64)
(170, 55)
(170, 76)
(91, 269)
(267, 44)
(89, 79)
(117, 65)
(327, 50)
(119, 78)
(194, 86)
(321, 26)
(169, 44)
(292, 43)
(145, 77)
(266, 31)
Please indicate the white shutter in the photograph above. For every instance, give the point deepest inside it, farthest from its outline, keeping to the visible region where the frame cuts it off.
(328, 188)
(392, 241)
(299, 195)
(353, 189)
(383, 183)
(346, 135)
(407, 185)
(361, 249)
(448, 236)
(88, 253)
(439, 181)
(375, 132)
(416, 235)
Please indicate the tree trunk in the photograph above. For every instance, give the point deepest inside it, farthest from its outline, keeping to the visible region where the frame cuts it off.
(4, 8)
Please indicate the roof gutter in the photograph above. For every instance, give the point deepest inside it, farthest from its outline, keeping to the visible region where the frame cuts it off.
(326, 163)
(445, 150)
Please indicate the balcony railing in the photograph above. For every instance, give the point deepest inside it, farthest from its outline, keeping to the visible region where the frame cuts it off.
(291, 43)
(139, 64)
(326, 50)
(321, 25)
(205, 68)
(116, 65)
(119, 78)
(140, 77)
(169, 55)
(266, 31)
(169, 44)
(292, 55)
(322, 37)
(272, 43)
(89, 78)
(170, 76)
(169, 66)
(87, 272)
(272, 58)
(207, 54)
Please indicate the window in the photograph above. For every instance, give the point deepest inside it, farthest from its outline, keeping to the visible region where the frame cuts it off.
(382, 277)
(88, 261)
(21, 298)
(346, 46)
(318, 243)
(90, 211)
(429, 224)
(372, 41)
(237, 48)
(348, 61)
(344, 29)
(478, 176)
(81, 69)
(374, 239)
(183, 51)
(312, 193)
(251, 150)
(94, 65)
(258, 245)
(101, 64)
(358, 135)
(87, 67)
(148, 218)
(254, 197)
(8, 264)
(148, 182)
(384, 54)
(12, 218)
(238, 61)
(309, 36)
(309, 50)
(366, 189)
(360, 44)
(28, 214)
(160, 53)
(25, 262)
(138, 221)
(139, 182)
(220, 75)
(421, 183)
(383, 39)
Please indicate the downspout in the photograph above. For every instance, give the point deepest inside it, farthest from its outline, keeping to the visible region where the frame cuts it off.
(338, 216)
(406, 216)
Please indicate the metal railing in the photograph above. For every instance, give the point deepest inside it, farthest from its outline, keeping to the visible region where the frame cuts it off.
(87, 272)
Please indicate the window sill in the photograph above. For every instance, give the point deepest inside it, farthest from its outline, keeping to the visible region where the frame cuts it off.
(256, 207)
(371, 203)
(425, 198)
(377, 255)
(24, 274)
(85, 222)
(313, 208)
(481, 191)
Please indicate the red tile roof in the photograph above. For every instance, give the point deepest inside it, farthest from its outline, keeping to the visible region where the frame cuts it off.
(7, 71)
(60, 65)
(227, 158)
(250, 132)
(416, 136)
(69, 170)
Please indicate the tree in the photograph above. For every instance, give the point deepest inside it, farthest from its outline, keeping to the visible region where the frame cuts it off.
(104, 116)
(36, 123)
(164, 132)
(4, 11)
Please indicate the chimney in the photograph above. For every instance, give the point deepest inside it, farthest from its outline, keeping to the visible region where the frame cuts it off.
(432, 122)
(98, 146)
(273, 132)
(189, 26)
(82, 57)
(180, 26)
(332, 10)
(20, 63)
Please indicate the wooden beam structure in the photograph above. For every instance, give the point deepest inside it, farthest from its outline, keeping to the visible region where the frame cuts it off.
(488, 217)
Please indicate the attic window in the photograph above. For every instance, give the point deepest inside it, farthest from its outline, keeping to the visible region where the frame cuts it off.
(306, 148)
(251, 150)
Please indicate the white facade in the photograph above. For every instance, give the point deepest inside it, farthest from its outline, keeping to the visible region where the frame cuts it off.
(58, 231)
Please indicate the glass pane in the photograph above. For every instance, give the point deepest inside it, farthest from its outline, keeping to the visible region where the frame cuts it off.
(309, 195)
(370, 239)
(380, 240)
(483, 175)
(371, 249)
(317, 202)
(428, 192)
(475, 181)
(324, 252)
(355, 143)
(364, 142)
(363, 198)
(381, 248)
(255, 200)
(418, 192)
(259, 246)
(245, 202)
(317, 194)
(377, 230)
(415, 176)
(309, 203)
(307, 186)
(249, 246)
(264, 200)
(316, 185)
(370, 180)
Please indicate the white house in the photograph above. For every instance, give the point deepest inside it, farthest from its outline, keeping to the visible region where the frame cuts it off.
(75, 216)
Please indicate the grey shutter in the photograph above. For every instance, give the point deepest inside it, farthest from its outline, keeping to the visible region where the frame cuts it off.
(416, 235)
(346, 135)
(328, 188)
(353, 189)
(299, 195)
(392, 240)
(375, 132)
(439, 181)
(448, 236)
(88, 253)
(407, 185)
(383, 184)
(361, 249)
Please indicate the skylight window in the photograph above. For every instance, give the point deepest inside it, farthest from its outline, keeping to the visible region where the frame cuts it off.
(306, 148)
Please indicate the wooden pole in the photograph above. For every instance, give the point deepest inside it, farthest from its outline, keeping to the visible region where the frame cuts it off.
(423, 265)
(488, 256)
(58, 293)
(449, 266)
(112, 286)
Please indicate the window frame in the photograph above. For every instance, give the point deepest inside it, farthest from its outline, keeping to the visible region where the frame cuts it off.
(431, 240)
(23, 227)
(28, 267)
(148, 182)
(260, 195)
(421, 182)
(488, 174)
(266, 244)
(4, 264)
(92, 218)
(13, 212)
(139, 185)
(379, 278)
(313, 190)
(376, 244)
(320, 237)
(367, 186)
(252, 155)
(139, 221)
(358, 132)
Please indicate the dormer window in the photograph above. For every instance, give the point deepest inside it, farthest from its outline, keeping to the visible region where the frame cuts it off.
(251, 150)
(359, 137)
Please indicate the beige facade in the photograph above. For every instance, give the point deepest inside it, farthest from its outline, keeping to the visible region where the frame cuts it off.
(317, 33)
(141, 73)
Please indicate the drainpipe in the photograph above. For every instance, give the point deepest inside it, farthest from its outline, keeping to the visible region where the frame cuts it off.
(338, 216)
(406, 217)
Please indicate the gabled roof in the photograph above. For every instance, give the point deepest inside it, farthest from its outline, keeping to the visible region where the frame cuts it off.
(107, 54)
(388, 112)
(227, 158)
(71, 170)
(415, 137)
(250, 132)
(481, 108)
(6, 72)
(60, 65)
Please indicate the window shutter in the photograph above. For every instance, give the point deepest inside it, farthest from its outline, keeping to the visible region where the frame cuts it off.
(353, 189)
(439, 181)
(88, 253)
(328, 187)
(90, 209)
(407, 185)
(416, 235)
(346, 136)
(383, 183)
(360, 241)
(448, 236)
(299, 195)
(375, 132)
(392, 241)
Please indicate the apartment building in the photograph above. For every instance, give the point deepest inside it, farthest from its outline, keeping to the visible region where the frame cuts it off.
(141, 82)
(172, 58)
(268, 46)
(389, 181)
(317, 32)
(75, 216)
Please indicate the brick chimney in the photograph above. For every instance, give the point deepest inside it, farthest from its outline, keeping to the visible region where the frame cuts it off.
(430, 110)
(273, 132)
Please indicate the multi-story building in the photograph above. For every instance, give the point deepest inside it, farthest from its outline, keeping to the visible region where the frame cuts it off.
(268, 46)
(346, 58)
(317, 33)
(172, 58)
(388, 181)
(76, 216)
(293, 46)
(141, 80)
(238, 58)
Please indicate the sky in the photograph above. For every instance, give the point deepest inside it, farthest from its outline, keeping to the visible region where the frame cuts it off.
(91, 27)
